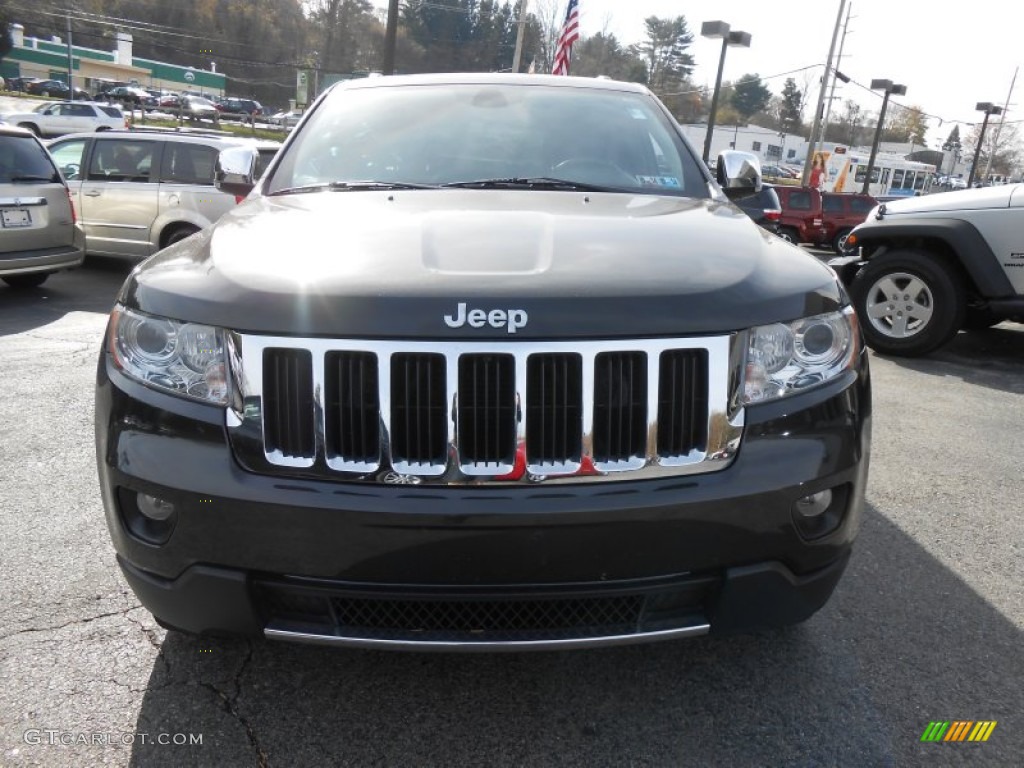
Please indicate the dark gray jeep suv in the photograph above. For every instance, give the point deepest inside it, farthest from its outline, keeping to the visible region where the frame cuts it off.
(483, 362)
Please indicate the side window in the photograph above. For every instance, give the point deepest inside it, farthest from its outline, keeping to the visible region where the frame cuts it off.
(860, 205)
(121, 160)
(800, 201)
(68, 157)
(831, 204)
(756, 146)
(908, 180)
(79, 110)
(897, 178)
(188, 164)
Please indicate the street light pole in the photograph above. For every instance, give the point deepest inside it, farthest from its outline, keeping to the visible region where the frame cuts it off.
(518, 58)
(989, 109)
(889, 88)
(390, 38)
(720, 29)
(818, 111)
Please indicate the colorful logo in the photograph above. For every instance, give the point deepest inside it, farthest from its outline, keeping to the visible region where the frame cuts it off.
(958, 730)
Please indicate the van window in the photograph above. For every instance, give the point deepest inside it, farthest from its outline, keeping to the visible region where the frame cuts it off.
(121, 160)
(188, 164)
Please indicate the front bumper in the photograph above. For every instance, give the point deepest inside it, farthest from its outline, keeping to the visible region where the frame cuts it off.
(522, 567)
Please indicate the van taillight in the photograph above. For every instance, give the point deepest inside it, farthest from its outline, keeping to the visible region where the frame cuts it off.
(239, 198)
(71, 202)
(773, 215)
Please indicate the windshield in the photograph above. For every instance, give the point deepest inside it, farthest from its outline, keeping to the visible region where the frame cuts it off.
(445, 134)
(22, 160)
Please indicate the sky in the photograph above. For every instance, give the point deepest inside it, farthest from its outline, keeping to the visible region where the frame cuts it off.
(950, 56)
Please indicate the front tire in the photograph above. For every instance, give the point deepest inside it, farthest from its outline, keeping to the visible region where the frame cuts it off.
(908, 303)
(790, 235)
(839, 243)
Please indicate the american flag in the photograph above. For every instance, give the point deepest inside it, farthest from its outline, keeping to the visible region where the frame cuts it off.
(570, 34)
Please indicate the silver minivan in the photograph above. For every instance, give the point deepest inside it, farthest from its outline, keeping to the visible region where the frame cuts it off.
(38, 231)
(138, 192)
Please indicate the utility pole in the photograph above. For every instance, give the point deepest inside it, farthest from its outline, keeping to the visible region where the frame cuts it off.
(821, 97)
(999, 128)
(839, 60)
(520, 34)
(71, 64)
(390, 36)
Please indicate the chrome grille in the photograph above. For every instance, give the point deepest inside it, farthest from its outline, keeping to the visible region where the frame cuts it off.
(494, 411)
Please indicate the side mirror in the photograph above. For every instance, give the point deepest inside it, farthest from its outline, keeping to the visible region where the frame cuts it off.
(236, 170)
(738, 174)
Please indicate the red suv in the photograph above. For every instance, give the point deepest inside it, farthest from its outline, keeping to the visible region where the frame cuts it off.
(841, 213)
(801, 220)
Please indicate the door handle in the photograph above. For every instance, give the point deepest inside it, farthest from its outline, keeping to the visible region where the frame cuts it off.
(92, 193)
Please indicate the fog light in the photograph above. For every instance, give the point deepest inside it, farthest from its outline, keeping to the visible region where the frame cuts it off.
(154, 508)
(815, 504)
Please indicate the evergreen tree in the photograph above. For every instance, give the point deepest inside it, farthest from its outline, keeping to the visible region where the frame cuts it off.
(749, 96)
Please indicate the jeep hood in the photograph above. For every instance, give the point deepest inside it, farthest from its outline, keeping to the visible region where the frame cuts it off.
(394, 264)
(961, 200)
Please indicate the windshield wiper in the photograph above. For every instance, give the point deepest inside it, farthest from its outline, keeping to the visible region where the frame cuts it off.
(352, 186)
(531, 182)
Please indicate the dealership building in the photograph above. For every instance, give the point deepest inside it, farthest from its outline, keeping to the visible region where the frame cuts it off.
(91, 67)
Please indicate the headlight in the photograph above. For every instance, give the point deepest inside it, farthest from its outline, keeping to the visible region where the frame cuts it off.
(184, 358)
(788, 358)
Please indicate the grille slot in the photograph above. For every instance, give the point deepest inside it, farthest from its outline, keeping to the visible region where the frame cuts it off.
(554, 409)
(418, 409)
(352, 407)
(620, 406)
(682, 401)
(487, 410)
(288, 417)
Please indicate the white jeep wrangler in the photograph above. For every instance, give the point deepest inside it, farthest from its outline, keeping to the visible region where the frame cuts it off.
(930, 266)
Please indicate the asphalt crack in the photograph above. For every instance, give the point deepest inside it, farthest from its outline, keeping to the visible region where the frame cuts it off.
(230, 705)
(57, 627)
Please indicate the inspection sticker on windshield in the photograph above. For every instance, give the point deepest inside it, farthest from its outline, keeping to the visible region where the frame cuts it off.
(16, 217)
(659, 181)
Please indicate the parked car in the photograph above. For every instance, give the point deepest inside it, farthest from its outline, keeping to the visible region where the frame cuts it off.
(239, 108)
(287, 119)
(930, 266)
(777, 172)
(57, 89)
(764, 208)
(128, 95)
(483, 362)
(139, 192)
(196, 108)
(168, 101)
(59, 118)
(802, 219)
(38, 231)
(840, 214)
(20, 84)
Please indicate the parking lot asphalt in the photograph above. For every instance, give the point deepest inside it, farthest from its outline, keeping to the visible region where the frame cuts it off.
(927, 624)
